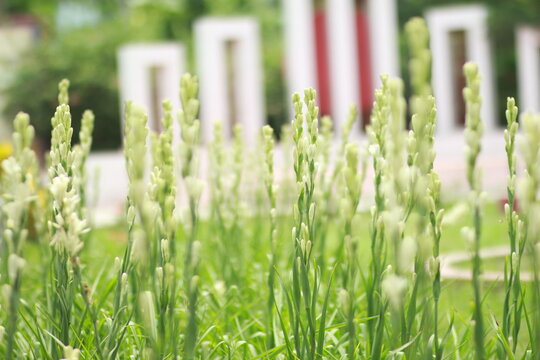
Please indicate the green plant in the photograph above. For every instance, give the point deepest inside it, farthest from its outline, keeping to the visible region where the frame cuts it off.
(374, 290)
(189, 127)
(527, 231)
(473, 137)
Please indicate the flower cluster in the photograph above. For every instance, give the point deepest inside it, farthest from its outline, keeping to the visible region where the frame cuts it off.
(473, 123)
(305, 136)
(66, 225)
(19, 187)
(82, 150)
(473, 145)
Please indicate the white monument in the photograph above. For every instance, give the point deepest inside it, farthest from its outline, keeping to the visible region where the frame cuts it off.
(383, 36)
(472, 19)
(300, 56)
(528, 57)
(245, 106)
(342, 48)
(343, 59)
(150, 73)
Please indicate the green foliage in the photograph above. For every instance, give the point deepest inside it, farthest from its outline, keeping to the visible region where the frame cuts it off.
(88, 58)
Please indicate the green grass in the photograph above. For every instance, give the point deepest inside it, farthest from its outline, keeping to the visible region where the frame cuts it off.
(233, 315)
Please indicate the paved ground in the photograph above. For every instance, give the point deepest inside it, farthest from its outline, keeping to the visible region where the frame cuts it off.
(450, 270)
(107, 188)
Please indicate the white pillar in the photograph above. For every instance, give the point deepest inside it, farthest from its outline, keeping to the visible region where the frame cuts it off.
(135, 62)
(343, 59)
(441, 78)
(211, 37)
(299, 45)
(473, 20)
(528, 56)
(383, 39)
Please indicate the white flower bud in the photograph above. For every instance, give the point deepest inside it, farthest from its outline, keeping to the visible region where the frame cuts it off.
(374, 150)
(130, 216)
(117, 264)
(308, 247)
(148, 313)
(159, 275)
(139, 251)
(165, 251)
(220, 288)
(514, 261)
(15, 266)
(273, 214)
(433, 265)
(407, 254)
(304, 232)
(124, 283)
(70, 353)
(344, 300)
(6, 293)
(394, 287)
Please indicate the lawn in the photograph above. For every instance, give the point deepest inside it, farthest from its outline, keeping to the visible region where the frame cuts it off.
(231, 311)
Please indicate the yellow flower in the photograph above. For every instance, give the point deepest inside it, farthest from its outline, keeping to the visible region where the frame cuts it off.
(6, 149)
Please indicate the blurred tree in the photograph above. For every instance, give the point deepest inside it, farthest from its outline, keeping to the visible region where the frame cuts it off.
(86, 56)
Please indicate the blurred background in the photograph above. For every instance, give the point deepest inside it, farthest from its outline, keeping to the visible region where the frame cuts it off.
(79, 40)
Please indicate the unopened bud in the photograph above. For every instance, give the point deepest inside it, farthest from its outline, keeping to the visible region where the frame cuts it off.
(344, 300)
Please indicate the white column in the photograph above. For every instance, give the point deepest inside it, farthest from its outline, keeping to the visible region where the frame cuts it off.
(528, 56)
(211, 37)
(343, 58)
(473, 20)
(441, 78)
(479, 50)
(135, 62)
(299, 45)
(383, 38)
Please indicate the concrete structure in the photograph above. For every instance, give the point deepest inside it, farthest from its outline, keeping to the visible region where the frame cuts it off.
(342, 48)
(212, 37)
(383, 31)
(150, 73)
(528, 56)
(217, 39)
(299, 45)
(343, 59)
(473, 20)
